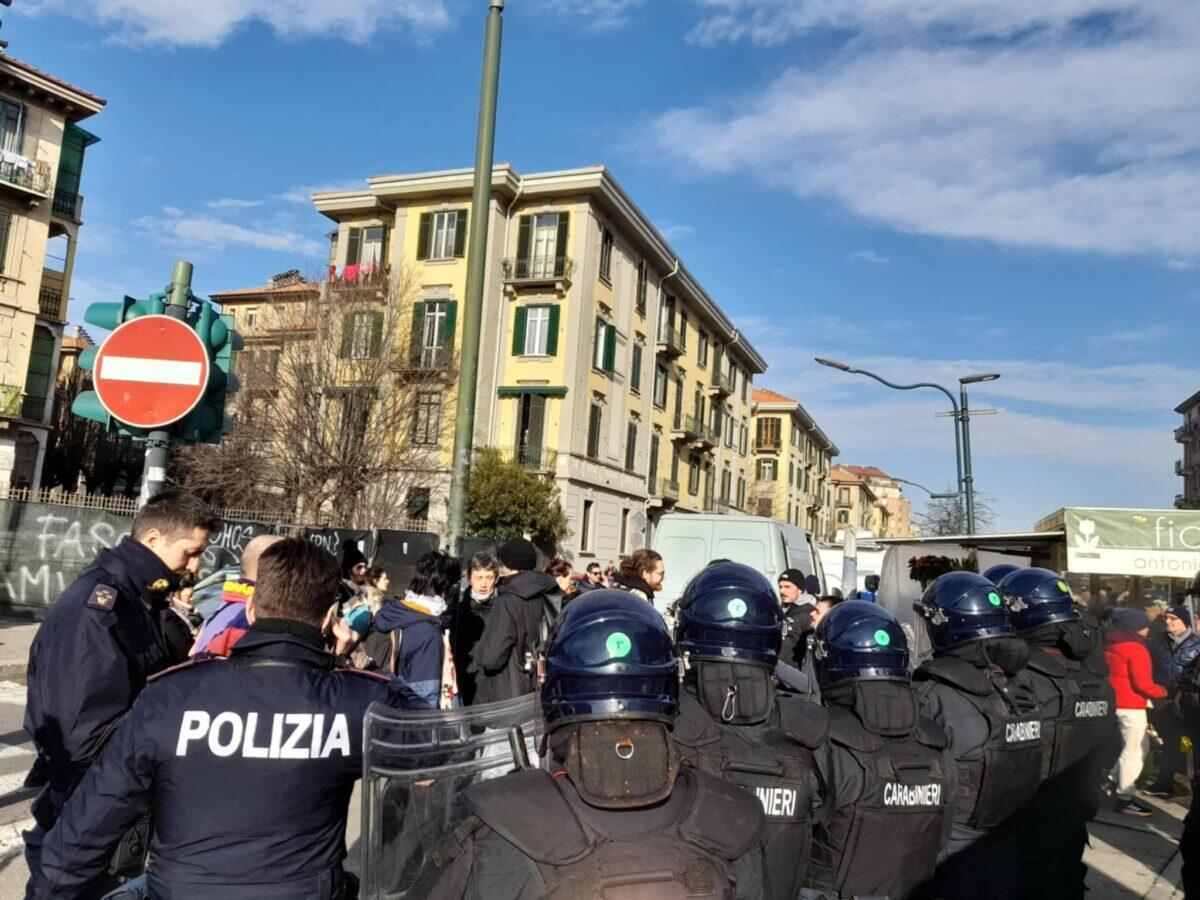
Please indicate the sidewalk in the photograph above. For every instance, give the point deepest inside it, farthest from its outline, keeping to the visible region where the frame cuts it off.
(15, 637)
(1131, 857)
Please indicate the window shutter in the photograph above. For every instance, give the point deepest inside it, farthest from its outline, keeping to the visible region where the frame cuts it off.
(524, 235)
(376, 334)
(418, 332)
(535, 436)
(347, 335)
(423, 235)
(560, 244)
(383, 248)
(460, 234)
(451, 321)
(610, 347)
(354, 247)
(552, 337)
(518, 347)
(5, 222)
(758, 432)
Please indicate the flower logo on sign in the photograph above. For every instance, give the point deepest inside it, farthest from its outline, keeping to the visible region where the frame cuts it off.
(1087, 538)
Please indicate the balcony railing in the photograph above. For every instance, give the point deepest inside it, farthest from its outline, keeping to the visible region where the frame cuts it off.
(369, 279)
(66, 195)
(670, 342)
(721, 382)
(534, 459)
(33, 408)
(538, 269)
(687, 427)
(23, 172)
(768, 444)
(663, 488)
(50, 303)
(15, 404)
(723, 505)
(1185, 432)
(428, 359)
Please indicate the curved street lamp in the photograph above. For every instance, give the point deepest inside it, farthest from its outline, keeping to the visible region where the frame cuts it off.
(932, 495)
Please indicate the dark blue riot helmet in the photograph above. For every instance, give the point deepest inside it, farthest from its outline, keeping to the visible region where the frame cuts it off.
(1038, 597)
(609, 656)
(961, 607)
(860, 641)
(995, 574)
(730, 612)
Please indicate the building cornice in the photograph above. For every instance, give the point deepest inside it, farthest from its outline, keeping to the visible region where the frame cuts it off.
(77, 103)
(796, 409)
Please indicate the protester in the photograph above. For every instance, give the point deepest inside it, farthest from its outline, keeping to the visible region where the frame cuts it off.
(226, 626)
(376, 588)
(180, 623)
(1177, 646)
(99, 643)
(1131, 675)
(354, 574)
(812, 590)
(416, 645)
(593, 579)
(503, 657)
(797, 616)
(560, 570)
(641, 573)
(870, 591)
(469, 616)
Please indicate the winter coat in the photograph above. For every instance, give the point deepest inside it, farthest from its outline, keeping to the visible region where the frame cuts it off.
(1170, 656)
(468, 619)
(513, 629)
(1130, 671)
(419, 655)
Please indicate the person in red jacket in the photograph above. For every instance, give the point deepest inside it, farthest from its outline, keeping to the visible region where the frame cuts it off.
(1131, 676)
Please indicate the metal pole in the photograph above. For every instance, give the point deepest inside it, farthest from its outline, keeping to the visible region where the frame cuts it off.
(158, 444)
(968, 478)
(464, 419)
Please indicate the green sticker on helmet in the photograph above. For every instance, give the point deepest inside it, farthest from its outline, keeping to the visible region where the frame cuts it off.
(994, 599)
(618, 645)
(737, 607)
(882, 638)
(1064, 587)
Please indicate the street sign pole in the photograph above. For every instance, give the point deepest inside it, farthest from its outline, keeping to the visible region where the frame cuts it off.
(154, 469)
(468, 371)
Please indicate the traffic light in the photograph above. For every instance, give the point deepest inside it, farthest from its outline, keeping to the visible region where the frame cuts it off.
(207, 422)
(108, 316)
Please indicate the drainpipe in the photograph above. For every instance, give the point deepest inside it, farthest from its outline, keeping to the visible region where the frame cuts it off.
(492, 423)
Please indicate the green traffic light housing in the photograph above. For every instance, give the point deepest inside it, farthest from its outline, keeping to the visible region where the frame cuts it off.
(207, 423)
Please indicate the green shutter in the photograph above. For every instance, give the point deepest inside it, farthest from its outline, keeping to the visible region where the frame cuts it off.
(552, 337)
(451, 321)
(5, 223)
(418, 329)
(347, 334)
(423, 235)
(460, 234)
(383, 248)
(610, 348)
(560, 244)
(376, 334)
(524, 239)
(354, 249)
(519, 317)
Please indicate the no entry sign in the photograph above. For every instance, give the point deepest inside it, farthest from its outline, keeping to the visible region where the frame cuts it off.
(151, 371)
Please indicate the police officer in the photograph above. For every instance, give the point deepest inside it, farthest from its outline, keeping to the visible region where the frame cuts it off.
(101, 640)
(995, 574)
(1080, 738)
(731, 722)
(621, 814)
(890, 775)
(976, 688)
(248, 761)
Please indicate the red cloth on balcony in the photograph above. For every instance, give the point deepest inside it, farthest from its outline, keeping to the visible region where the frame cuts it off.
(350, 273)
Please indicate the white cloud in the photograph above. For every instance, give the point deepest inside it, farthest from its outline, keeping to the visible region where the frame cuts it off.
(596, 15)
(214, 234)
(211, 22)
(1057, 125)
(870, 256)
(677, 232)
(232, 203)
(302, 194)
(1132, 337)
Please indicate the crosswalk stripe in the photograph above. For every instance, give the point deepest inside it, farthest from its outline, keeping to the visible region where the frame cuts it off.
(12, 692)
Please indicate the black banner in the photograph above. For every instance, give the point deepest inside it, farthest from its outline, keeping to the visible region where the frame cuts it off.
(398, 552)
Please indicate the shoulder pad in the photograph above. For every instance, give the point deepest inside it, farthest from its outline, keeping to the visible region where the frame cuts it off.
(1045, 664)
(693, 727)
(724, 819)
(957, 673)
(803, 721)
(518, 806)
(931, 734)
(194, 661)
(366, 673)
(846, 729)
(103, 596)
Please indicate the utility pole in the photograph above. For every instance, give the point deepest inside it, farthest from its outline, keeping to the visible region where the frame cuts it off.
(464, 419)
(158, 443)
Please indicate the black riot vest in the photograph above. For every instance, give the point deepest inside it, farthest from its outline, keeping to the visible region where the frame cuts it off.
(886, 842)
(1086, 710)
(773, 762)
(997, 779)
(576, 859)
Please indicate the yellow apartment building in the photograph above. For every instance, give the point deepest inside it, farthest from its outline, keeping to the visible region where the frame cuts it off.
(896, 519)
(604, 364)
(41, 164)
(855, 503)
(792, 457)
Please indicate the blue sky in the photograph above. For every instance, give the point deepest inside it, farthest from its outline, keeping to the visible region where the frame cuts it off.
(926, 190)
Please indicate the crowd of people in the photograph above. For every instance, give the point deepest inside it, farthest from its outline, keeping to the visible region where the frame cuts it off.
(754, 740)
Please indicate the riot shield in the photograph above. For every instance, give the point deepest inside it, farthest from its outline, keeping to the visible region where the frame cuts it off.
(416, 766)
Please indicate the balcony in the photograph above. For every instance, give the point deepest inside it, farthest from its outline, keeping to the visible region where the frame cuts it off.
(686, 428)
(14, 404)
(538, 271)
(768, 445)
(533, 459)
(723, 506)
(662, 492)
(50, 304)
(67, 202)
(427, 361)
(359, 282)
(1185, 432)
(1180, 468)
(721, 384)
(26, 176)
(670, 342)
(706, 436)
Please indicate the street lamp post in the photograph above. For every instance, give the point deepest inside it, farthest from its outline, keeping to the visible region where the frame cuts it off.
(932, 495)
(965, 419)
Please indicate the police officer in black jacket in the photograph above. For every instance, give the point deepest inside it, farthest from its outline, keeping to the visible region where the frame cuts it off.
(976, 688)
(891, 776)
(621, 816)
(99, 643)
(728, 627)
(247, 762)
(1080, 738)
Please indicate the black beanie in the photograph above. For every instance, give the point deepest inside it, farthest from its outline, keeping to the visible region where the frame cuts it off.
(351, 557)
(518, 554)
(1183, 614)
(795, 576)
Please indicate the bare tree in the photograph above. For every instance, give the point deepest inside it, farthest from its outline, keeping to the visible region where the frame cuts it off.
(346, 392)
(79, 448)
(948, 516)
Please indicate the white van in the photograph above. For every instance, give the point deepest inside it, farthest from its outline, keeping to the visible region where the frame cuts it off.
(688, 543)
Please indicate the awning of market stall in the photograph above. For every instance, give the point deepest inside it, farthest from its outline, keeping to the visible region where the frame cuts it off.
(1156, 543)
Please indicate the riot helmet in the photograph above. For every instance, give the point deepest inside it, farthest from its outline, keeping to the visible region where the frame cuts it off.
(961, 607)
(860, 641)
(730, 612)
(1038, 597)
(609, 656)
(996, 573)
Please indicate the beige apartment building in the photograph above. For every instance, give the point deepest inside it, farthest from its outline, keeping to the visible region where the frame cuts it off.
(41, 164)
(895, 520)
(855, 504)
(604, 364)
(792, 459)
(1188, 468)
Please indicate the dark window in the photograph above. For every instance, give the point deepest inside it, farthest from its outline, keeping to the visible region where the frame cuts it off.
(595, 418)
(741, 494)
(641, 287)
(702, 348)
(631, 434)
(362, 334)
(531, 418)
(585, 527)
(683, 320)
(5, 227)
(416, 506)
(635, 369)
(660, 386)
(356, 413)
(621, 547)
(675, 465)
(427, 418)
(606, 254)
(652, 469)
(694, 474)
(726, 480)
(604, 349)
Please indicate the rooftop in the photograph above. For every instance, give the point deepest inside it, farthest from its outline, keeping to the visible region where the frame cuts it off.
(78, 103)
(1187, 404)
(264, 292)
(762, 397)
